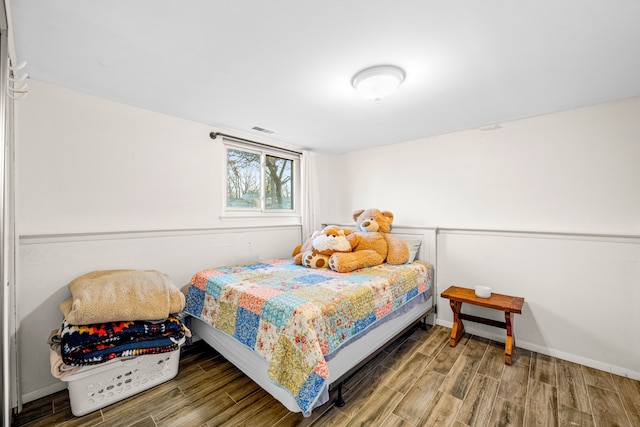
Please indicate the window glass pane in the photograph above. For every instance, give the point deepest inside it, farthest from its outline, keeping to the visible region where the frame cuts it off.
(278, 183)
(243, 179)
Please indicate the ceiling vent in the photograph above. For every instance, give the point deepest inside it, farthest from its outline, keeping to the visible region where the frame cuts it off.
(263, 130)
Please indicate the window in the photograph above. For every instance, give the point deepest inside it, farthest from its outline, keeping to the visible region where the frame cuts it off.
(261, 180)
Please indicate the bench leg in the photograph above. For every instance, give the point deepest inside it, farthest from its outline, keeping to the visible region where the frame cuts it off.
(458, 328)
(510, 343)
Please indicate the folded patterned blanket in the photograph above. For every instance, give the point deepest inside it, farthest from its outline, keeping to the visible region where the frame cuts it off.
(98, 343)
(118, 295)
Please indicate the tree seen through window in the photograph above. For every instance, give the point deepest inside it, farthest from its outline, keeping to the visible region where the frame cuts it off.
(249, 183)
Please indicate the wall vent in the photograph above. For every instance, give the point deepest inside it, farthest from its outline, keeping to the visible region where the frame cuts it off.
(263, 130)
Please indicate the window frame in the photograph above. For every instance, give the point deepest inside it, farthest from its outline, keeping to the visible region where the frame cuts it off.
(263, 152)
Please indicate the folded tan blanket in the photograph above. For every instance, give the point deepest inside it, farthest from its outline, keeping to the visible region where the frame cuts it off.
(121, 295)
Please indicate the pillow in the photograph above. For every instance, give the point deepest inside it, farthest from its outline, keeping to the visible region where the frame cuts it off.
(414, 247)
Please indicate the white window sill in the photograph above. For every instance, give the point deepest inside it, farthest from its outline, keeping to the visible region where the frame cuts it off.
(261, 216)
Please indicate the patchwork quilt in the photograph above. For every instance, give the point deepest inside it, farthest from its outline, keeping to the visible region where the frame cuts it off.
(82, 345)
(293, 316)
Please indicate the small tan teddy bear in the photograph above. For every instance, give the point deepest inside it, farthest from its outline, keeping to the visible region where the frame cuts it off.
(323, 244)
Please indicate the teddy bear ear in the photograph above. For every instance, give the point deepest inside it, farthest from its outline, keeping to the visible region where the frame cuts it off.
(388, 215)
(357, 214)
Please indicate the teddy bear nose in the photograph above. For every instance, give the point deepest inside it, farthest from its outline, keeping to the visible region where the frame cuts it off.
(366, 223)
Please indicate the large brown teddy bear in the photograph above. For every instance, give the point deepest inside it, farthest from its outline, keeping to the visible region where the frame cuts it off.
(375, 246)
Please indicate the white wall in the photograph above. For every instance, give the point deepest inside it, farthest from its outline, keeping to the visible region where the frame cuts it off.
(87, 164)
(48, 264)
(581, 292)
(574, 173)
(101, 185)
(571, 171)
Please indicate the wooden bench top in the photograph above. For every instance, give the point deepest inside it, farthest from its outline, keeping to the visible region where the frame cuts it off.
(505, 303)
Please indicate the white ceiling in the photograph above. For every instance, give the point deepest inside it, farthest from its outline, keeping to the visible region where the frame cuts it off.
(286, 65)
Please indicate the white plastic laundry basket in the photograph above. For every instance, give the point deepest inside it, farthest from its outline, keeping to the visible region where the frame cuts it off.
(94, 387)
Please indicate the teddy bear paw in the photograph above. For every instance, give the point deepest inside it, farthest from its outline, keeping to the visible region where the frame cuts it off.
(333, 263)
(311, 260)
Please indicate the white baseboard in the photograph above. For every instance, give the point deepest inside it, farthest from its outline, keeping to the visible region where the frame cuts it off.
(43, 392)
(616, 370)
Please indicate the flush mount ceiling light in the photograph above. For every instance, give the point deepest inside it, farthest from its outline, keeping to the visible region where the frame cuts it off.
(378, 82)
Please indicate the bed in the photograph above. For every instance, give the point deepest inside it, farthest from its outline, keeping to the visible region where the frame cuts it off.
(300, 332)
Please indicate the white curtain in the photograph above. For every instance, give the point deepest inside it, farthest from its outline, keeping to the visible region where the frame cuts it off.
(310, 194)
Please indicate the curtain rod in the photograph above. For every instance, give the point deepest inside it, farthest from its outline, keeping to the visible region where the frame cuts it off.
(214, 135)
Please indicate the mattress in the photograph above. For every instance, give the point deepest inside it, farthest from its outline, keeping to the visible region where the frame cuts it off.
(295, 330)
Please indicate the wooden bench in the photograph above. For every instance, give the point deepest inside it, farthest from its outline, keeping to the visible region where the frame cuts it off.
(509, 304)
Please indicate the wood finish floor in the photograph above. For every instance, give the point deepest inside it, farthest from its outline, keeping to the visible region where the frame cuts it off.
(417, 381)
